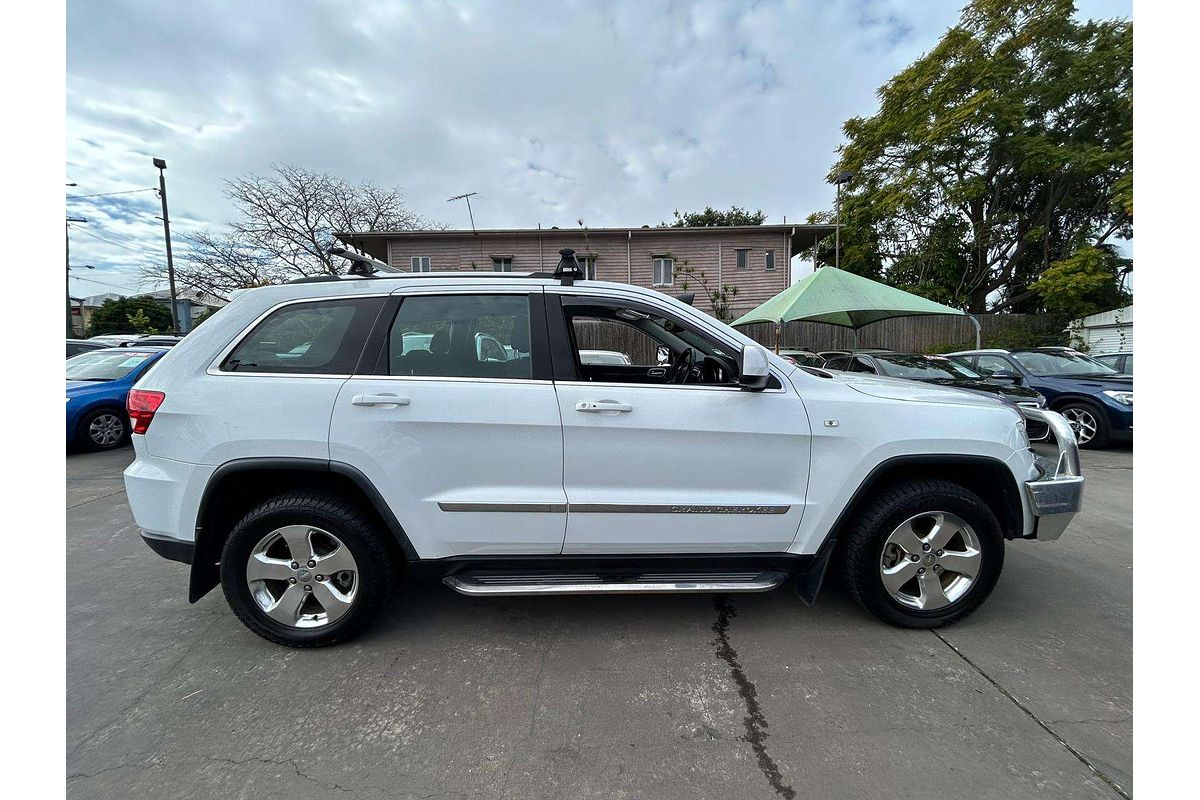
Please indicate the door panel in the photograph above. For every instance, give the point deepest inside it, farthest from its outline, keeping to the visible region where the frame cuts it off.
(468, 467)
(683, 469)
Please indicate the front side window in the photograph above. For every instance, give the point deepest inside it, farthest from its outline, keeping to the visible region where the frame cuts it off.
(664, 271)
(743, 259)
(769, 261)
(318, 338)
(502, 264)
(421, 263)
(461, 336)
(990, 364)
(616, 344)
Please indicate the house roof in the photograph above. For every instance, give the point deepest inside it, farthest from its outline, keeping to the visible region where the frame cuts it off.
(195, 296)
(374, 243)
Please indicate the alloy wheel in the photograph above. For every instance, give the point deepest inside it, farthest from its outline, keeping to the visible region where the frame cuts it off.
(106, 430)
(302, 577)
(930, 561)
(1083, 422)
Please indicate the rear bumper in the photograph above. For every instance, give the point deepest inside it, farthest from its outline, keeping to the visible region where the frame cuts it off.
(170, 549)
(1056, 495)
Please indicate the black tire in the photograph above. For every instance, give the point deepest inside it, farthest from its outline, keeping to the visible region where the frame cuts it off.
(1100, 438)
(873, 524)
(332, 513)
(84, 436)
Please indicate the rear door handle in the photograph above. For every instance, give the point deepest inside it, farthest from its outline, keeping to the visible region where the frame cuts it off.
(597, 406)
(379, 400)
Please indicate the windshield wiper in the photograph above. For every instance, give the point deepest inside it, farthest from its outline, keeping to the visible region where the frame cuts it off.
(95, 380)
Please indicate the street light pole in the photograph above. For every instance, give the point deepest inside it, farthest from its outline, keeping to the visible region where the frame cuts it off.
(166, 218)
(67, 226)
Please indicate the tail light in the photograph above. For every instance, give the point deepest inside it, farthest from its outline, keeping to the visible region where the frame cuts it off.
(141, 405)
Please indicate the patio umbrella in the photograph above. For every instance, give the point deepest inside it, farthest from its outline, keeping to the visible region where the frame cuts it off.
(842, 298)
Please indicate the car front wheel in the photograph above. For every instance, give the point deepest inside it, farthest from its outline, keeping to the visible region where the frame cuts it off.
(306, 569)
(104, 429)
(1089, 423)
(923, 554)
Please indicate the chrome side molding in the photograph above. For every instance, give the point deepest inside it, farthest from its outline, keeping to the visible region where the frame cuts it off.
(690, 583)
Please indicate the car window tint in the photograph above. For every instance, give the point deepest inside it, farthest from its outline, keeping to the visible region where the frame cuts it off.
(320, 338)
(461, 336)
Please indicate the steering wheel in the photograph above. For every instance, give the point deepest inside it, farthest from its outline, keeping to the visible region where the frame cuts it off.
(681, 367)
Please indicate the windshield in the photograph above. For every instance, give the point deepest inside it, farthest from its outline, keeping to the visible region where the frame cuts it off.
(104, 365)
(923, 368)
(1049, 363)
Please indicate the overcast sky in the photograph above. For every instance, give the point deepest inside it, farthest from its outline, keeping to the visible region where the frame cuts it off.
(613, 112)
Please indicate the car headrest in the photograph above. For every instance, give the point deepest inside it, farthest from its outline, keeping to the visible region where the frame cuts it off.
(440, 343)
(520, 336)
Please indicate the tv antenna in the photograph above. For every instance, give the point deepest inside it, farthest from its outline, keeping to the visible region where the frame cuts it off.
(466, 197)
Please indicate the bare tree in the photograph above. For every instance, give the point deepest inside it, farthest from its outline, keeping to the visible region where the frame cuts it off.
(286, 225)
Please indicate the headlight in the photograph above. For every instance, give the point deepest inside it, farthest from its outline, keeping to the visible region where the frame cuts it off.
(1023, 434)
(1124, 398)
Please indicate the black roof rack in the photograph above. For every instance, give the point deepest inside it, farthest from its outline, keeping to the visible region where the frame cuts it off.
(316, 279)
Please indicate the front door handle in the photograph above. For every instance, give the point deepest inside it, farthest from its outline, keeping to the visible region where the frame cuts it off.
(379, 400)
(597, 406)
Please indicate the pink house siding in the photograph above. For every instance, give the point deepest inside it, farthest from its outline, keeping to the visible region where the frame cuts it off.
(622, 255)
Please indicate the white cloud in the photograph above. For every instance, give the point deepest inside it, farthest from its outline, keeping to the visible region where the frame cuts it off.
(614, 112)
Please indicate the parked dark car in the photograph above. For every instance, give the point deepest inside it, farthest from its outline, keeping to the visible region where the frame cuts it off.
(1095, 398)
(153, 340)
(77, 346)
(944, 372)
(1121, 362)
(802, 358)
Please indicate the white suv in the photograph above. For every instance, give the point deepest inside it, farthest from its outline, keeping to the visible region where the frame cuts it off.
(317, 440)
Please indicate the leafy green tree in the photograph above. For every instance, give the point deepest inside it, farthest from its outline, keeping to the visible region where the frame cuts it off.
(139, 314)
(1005, 149)
(1085, 283)
(711, 218)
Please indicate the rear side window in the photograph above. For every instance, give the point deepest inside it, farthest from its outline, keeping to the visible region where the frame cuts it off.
(462, 336)
(324, 337)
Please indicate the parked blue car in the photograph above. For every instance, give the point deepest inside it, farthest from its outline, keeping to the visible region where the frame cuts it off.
(97, 384)
(1095, 398)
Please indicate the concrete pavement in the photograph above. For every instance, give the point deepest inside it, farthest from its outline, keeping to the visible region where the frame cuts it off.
(749, 696)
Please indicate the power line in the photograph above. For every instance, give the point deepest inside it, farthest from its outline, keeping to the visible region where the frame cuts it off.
(109, 194)
(117, 243)
(109, 285)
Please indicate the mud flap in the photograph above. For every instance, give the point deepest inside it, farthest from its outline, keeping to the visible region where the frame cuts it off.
(808, 582)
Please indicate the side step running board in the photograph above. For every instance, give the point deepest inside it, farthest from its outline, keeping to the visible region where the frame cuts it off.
(501, 584)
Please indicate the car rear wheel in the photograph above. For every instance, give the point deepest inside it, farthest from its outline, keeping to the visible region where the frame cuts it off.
(306, 569)
(1089, 423)
(104, 429)
(923, 554)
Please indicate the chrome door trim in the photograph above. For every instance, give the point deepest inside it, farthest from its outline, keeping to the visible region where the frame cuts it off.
(520, 508)
(672, 508)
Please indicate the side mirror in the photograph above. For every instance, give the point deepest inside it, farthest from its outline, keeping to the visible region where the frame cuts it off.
(756, 371)
(1007, 375)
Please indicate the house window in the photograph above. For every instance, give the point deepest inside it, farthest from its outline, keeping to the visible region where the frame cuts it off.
(770, 261)
(664, 271)
(588, 265)
(743, 259)
(420, 263)
(502, 263)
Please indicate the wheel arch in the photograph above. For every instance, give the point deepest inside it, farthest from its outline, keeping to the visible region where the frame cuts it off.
(237, 486)
(107, 404)
(986, 476)
(1063, 398)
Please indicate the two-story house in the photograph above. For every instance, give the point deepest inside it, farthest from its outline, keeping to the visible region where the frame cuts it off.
(755, 259)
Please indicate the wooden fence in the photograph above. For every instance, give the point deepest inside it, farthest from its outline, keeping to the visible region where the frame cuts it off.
(915, 334)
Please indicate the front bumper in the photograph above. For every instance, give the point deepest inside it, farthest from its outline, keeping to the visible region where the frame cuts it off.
(1056, 494)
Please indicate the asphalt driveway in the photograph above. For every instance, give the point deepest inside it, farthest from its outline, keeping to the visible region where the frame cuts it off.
(746, 696)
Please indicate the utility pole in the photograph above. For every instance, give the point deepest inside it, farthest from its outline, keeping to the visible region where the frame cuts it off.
(70, 330)
(166, 218)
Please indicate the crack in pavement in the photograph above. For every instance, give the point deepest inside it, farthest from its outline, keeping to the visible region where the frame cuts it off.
(94, 499)
(755, 721)
(1043, 725)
